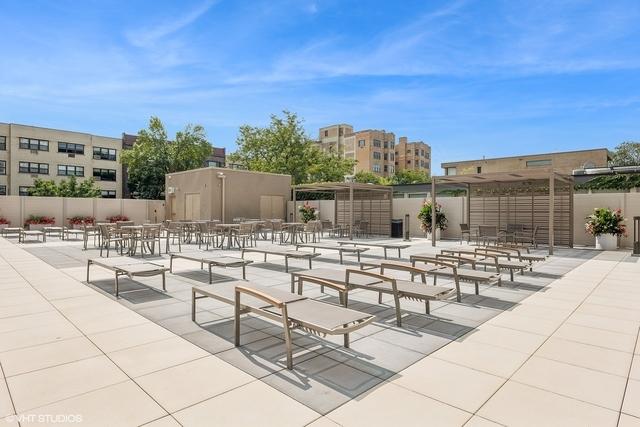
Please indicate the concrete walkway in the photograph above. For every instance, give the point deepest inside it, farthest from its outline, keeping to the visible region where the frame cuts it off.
(563, 356)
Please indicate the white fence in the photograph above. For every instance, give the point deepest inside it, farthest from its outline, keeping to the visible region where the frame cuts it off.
(455, 209)
(18, 208)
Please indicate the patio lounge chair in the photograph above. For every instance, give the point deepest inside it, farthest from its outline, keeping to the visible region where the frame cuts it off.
(385, 246)
(488, 258)
(358, 279)
(282, 252)
(434, 267)
(291, 310)
(128, 267)
(212, 261)
(340, 248)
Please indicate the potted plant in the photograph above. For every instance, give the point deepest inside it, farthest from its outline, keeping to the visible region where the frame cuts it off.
(79, 221)
(4, 222)
(606, 225)
(117, 218)
(37, 222)
(307, 212)
(426, 218)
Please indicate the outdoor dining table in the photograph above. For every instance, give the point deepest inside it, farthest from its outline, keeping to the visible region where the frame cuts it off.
(228, 230)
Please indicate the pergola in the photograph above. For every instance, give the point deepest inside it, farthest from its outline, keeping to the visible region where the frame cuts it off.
(542, 198)
(355, 201)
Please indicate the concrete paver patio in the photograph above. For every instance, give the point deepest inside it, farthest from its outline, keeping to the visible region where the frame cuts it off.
(559, 346)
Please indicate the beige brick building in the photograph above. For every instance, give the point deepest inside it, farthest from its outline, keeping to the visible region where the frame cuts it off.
(29, 152)
(564, 162)
(373, 151)
(331, 138)
(413, 155)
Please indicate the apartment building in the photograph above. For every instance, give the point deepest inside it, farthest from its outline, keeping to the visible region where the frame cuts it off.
(331, 138)
(413, 155)
(563, 162)
(373, 151)
(30, 152)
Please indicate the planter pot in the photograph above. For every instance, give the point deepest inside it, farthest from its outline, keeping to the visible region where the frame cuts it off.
(607, 242)
(438, 233)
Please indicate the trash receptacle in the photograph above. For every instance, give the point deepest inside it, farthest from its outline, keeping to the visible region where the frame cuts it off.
(396, 228)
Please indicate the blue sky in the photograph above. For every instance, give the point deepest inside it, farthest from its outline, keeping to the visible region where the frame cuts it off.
(472, 78)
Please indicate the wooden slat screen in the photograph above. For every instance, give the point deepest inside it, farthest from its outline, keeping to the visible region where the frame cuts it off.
(371, 206)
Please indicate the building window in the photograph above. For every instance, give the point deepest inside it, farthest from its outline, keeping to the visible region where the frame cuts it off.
(408, 162)
(34, 168)
(34, 144)
(386, 168)
(326, 133)
(3, 167)
(450, 171)
(340, 131)
(417, 152)
(108, 194)
(408, 151)
(391, 157)
(386, 144)
(391, 144)
(3, 143)
(100, 153)
(3, 190)
(392, 169)
(536, 163)
(69, 170)
(376, 168)
(68, 147)
(422, 153)
(23, 190)
(386, 156)
(377, 143)
(376, 155)
(104, 174)
(362, 143)
(479, 169)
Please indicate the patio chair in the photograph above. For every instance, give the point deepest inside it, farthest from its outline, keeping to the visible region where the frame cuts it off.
(512, 230)
(172, 230)
(107, 237)
(207, 233)
(465, 230)
(148, 238)
(528, 236)
(277, 230)
(490, 233)
(311, 229)
(90, 231)
(243, 234)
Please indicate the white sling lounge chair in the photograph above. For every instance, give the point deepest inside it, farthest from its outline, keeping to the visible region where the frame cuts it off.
(131, 268)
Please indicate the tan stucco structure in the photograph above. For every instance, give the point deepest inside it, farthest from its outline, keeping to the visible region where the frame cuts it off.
(561, 162)
(13, 155)
(224, 194)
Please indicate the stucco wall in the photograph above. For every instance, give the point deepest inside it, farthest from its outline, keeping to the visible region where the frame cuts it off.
(17, 209)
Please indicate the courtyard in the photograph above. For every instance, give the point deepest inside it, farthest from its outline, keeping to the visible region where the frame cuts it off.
(556, 346)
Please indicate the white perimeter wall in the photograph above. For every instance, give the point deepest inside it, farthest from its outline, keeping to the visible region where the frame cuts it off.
(455, 209)
(18, 208)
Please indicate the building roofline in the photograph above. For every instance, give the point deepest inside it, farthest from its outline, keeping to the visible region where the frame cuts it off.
(446, 164)
(212, 168)
(58, 130)
(334, 125)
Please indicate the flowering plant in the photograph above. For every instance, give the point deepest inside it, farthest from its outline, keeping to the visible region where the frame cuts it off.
(308, 212)
(36, 219)
(606, 221)
(426, 214)
(116, 218)
(81, 220)
(4, 221)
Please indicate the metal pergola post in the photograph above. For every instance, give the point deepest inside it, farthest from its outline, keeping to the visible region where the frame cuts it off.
(351, 212)
(433, 211)
(552, 188)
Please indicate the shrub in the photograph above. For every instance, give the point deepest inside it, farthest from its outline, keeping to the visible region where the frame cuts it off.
(307, 212)
(425, 217)
(37, 219)
(116, 218)
(81, 220)
(606, 221)
(4, 221)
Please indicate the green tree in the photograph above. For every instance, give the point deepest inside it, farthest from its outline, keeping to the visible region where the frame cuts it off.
(627, 154)
(366, 177)
(283, 147)
(408, 176)
(66, 188)
(153, 156)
